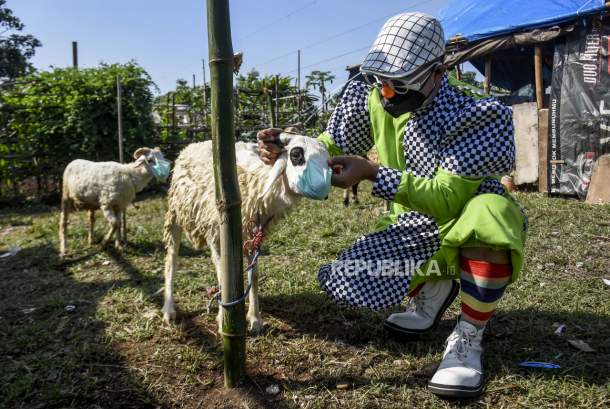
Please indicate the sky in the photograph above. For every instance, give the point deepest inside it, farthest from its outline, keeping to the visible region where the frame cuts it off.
(169, 38)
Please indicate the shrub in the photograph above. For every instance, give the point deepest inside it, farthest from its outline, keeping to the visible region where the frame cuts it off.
(56, 116)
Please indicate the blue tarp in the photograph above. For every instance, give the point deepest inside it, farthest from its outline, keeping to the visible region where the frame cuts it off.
(481, 19)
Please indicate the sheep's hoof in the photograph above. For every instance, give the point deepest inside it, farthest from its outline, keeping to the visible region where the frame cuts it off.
(169, 312)
(255, 324)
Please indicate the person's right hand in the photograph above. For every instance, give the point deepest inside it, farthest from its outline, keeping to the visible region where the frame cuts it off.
(268, 146)
(349, 170)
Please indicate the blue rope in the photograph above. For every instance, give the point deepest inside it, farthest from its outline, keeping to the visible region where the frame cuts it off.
(250, 271)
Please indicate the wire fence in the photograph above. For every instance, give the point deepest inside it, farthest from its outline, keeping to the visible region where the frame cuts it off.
(26, 174)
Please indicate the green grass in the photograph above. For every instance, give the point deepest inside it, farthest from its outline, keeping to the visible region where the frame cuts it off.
(115, 351)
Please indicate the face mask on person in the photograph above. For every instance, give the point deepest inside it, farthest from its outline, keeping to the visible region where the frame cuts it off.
(160, 169)
(401, 96)
(314, 182)
(400, 104)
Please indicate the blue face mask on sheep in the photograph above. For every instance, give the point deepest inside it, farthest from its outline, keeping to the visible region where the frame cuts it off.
(314, 182)
(305, 164)
(157, 164)
(160, 169)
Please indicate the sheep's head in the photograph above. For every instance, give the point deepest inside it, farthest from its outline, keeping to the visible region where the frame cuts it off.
(304, 161)
(155, 162)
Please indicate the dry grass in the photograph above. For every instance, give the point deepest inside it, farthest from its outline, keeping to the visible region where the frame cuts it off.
(114, 350)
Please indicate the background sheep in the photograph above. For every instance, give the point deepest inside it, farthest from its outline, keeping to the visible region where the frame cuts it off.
(110, 186)
(268, 191)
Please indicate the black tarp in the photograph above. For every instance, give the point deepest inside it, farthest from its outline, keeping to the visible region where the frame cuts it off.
(579, 111)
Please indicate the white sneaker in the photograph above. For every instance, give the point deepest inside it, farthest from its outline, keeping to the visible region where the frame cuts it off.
(460, 374)
(425, 310)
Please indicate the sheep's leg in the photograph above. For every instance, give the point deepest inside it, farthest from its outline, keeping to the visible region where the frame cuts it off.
(114, 222)
(63, 225)
(346, 198)
(91, 227)
(124, 227)
(119, 231)
(172, 237)
(355, 193)
(215, 253)
(254, 318)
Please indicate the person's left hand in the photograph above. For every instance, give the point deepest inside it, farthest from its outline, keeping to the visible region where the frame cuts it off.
(349, 170)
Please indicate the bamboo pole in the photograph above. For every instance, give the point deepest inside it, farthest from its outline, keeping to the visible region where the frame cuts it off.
(487, 83)
(538, 77)
(75, 54)
(237, 110)
(228, 200)
(276, 91)
(119, 103)
(173, 138)
(192, 106)
(270, 107)
(299, 84)
(205, 97)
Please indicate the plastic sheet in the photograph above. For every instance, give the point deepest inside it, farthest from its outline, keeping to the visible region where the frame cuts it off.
(480, 19)
(579, 111)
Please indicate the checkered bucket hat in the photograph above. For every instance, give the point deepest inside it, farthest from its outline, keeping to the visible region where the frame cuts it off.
(406, 42)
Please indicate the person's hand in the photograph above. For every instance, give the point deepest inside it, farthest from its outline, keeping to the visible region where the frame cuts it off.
(268, 146)
(349, 170)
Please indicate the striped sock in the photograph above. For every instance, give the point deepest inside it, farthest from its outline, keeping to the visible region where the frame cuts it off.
(482, 286)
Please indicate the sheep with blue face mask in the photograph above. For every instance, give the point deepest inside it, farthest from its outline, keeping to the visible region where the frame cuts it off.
(109, 186)
(267, 191)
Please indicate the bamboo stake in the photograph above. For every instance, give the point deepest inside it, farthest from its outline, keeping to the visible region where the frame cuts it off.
(299, 84)
(276, 91)
(74, 54)
(228, 200)
(205, 97)
(487, 83)
(119, 103)
(538, 77)
(271, 108)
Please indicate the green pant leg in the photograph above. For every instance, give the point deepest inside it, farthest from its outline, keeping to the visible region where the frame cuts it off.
(487, 220)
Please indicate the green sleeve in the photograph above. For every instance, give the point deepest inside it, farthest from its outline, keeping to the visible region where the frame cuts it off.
(330, 144)
(442, 197)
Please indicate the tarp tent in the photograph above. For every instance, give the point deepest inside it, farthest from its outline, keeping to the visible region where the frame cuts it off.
(475, 29)
(480, 19)
(564, 44)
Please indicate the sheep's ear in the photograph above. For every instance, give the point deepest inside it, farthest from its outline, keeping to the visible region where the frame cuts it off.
(141, 151)
(276, 171)
(285, 138)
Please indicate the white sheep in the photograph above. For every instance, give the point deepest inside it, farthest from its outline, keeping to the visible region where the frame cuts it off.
(109, 186)
(267, 191)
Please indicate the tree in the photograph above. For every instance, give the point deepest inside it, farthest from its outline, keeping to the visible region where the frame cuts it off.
(469, 77)
(15, 49)
(255, 98)
(317, 80)
(256, 95)
(63, 114)
(254, 104)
